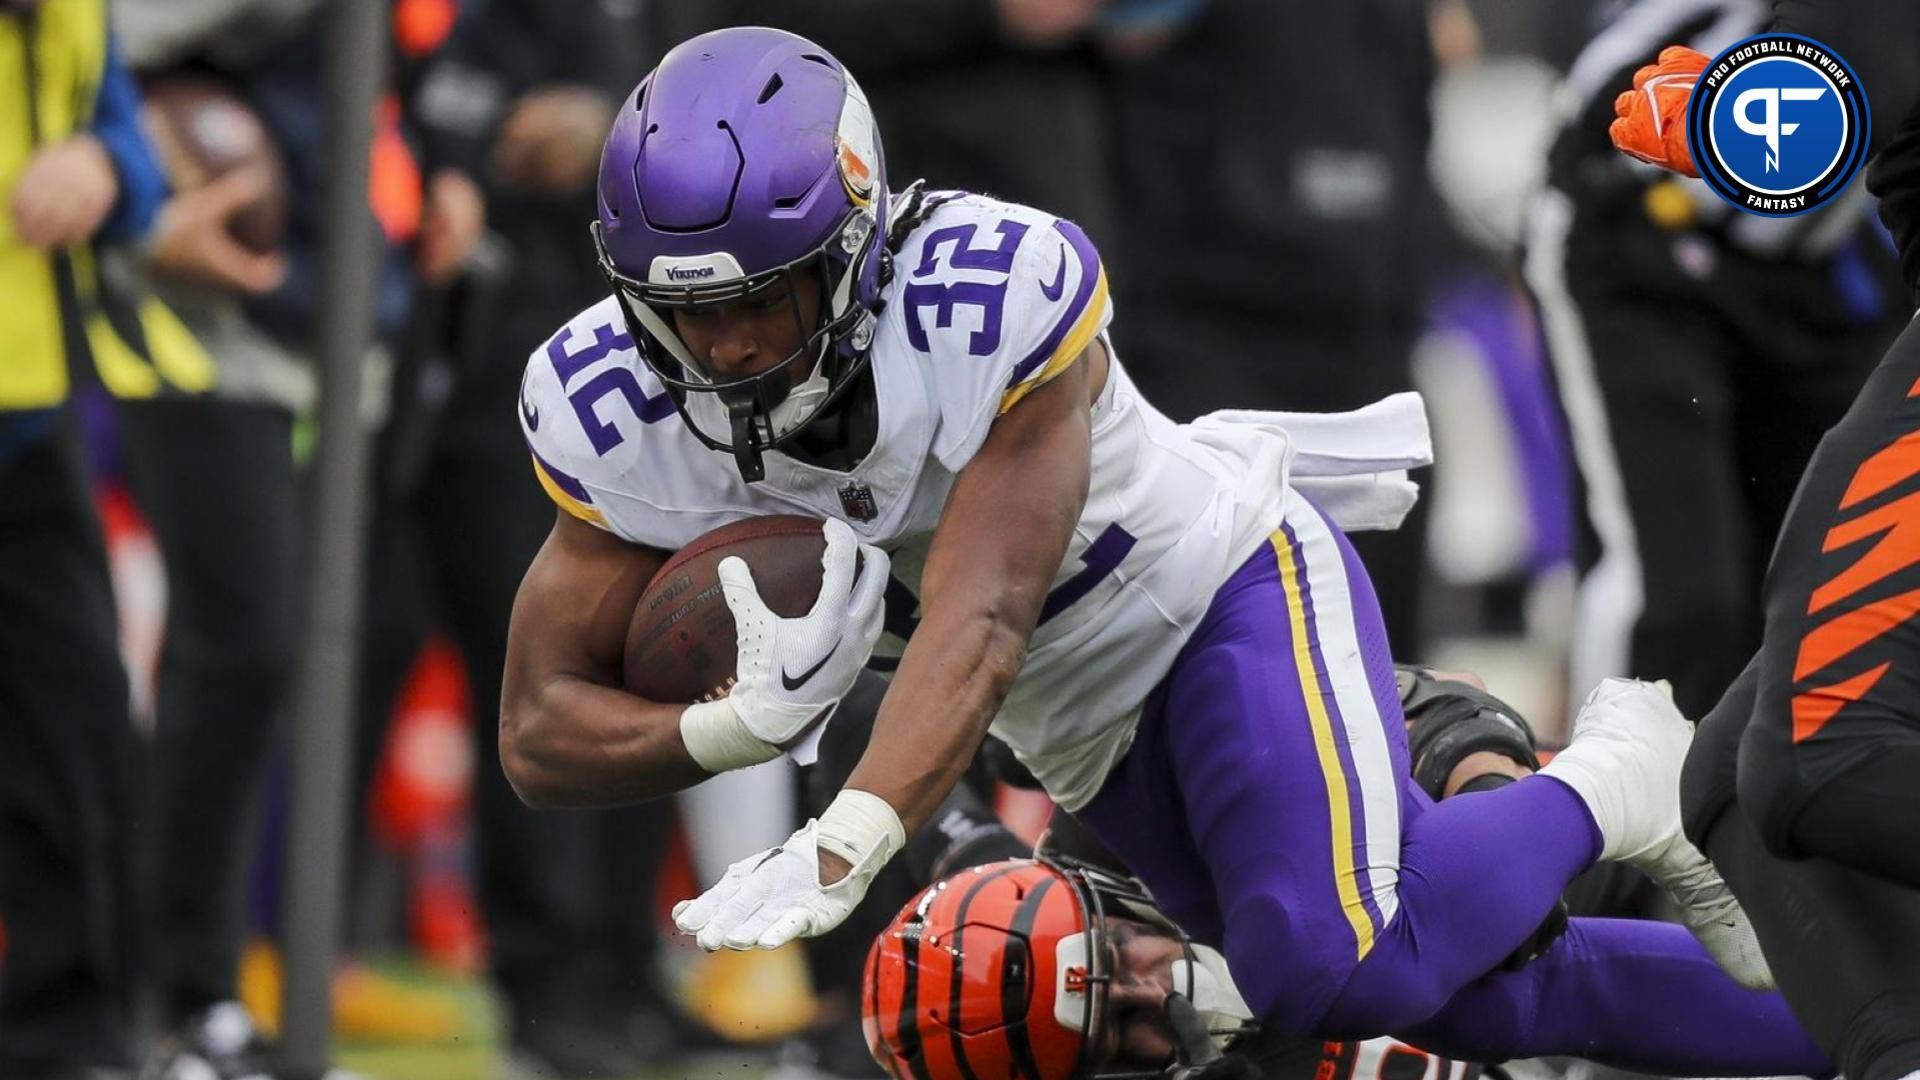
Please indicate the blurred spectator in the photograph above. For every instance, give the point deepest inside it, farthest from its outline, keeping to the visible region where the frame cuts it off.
(1002, 97)
(1551, 32)
(1271, 163)
(76, 179)
(1700, 355)
(231, 547)
(519, 101)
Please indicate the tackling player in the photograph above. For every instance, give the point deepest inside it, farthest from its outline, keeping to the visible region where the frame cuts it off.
(1118, 1019)
(1164, 622)
(1817, 744)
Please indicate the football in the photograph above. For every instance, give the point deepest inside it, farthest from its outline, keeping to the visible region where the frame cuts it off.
(681, 644)
(204, 130)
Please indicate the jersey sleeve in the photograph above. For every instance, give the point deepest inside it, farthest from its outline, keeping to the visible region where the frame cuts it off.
(1052, 297)
(560, 451)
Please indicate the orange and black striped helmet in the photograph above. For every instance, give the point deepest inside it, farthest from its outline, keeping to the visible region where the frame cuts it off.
(998, 972)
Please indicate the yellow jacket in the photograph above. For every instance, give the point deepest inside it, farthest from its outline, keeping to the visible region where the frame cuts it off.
(52, 62)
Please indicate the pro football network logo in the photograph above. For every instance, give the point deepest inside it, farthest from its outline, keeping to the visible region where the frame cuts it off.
(1778, 125)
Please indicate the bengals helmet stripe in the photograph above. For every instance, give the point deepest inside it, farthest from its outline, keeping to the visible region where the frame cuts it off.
(1025, 999)
(1012, 1005)
(958, 980)
(908, 1031)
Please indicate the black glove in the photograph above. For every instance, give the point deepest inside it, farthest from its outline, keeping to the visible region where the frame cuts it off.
(1195, 1057)
(1449, 720)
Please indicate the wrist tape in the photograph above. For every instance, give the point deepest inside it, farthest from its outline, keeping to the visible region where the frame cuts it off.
(858, 826)
(718, 740)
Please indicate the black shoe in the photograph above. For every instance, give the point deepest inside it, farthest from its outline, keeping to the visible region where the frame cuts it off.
(217, 1043)
(838, 1052)
(662, 1031)
(568, 1048)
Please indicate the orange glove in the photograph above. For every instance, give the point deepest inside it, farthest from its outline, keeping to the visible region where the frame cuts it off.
(1652, 117)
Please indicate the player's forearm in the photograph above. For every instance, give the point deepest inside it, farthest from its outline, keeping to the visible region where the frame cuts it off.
(951, 682)
(982, 593)
(573, 744)
(1001, 540)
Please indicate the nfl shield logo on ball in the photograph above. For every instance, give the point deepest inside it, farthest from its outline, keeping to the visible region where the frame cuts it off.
(857, 501)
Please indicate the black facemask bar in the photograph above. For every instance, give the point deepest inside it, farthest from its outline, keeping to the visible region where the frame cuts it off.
(749, 400)
(1103, 893)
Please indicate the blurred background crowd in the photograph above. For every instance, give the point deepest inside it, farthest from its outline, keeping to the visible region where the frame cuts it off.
(1301, 206)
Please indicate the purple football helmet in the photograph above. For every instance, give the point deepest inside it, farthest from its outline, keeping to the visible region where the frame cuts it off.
(747, 155)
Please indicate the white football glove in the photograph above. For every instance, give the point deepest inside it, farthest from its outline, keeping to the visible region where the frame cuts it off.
(791, 673)
(768, 899)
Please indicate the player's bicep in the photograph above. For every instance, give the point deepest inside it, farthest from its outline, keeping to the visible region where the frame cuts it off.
(570, 617)
(1033, 470)
(1047, 434)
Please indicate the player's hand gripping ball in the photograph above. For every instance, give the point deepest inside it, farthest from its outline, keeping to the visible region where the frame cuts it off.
(1651, 119)
(774, 615)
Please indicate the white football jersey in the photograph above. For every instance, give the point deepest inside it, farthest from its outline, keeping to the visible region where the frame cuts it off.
(988, 300)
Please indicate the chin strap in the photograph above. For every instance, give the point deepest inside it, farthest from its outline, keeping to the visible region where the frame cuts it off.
(746, 456)
(1210, 991)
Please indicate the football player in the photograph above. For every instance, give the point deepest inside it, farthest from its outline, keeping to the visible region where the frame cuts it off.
(1066, 970)
(1164, 622)
(1055, 969)
(1119, 1019)
(1805, 783)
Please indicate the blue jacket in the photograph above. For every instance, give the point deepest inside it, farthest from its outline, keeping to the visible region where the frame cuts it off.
(116, 123)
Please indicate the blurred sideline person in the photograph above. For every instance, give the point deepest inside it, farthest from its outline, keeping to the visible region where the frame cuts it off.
(1683, 330)
(1805, 781)
(1002, 97)
(1182, 671)
(76, 178)
(1281, 237)
(232, 549)
(229, 550)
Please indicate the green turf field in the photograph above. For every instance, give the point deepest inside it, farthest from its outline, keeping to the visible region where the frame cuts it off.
(471, 1054)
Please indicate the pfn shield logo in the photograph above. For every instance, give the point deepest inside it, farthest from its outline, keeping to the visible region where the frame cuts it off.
(1778, 125)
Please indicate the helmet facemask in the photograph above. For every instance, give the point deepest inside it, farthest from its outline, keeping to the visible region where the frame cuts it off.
(1027, 958)
(1104, 896)
(752, 414)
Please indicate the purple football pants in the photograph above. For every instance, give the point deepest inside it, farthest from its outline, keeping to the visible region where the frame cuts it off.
(1267, 804)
